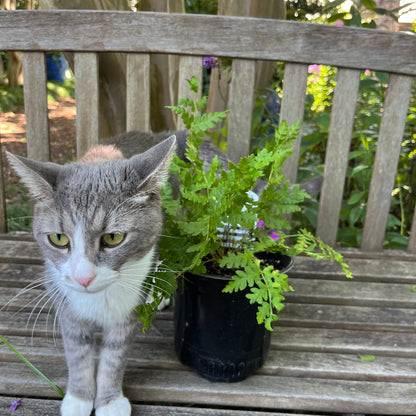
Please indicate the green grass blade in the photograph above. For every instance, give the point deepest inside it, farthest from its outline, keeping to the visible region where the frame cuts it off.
(31, 366)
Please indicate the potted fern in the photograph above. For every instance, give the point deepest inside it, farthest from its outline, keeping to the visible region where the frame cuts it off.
(223, 238)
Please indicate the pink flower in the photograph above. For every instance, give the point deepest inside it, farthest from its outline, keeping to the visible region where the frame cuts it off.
(274, 235)
(314, 68)
(367, 72)
(339, 23)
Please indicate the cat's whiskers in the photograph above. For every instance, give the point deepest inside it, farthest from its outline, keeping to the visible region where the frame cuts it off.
(57, 296)
(47, 294)
(58, 311)
(39, 282)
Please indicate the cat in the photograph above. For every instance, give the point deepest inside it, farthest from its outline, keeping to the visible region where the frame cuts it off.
(97, 223)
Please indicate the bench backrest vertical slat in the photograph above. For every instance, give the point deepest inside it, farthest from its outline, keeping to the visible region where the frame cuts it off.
(241, 108)
(138, 92)
(188, 66)
(36, 105)
(292, 109)
(386, 160)
(3, 216)
(337, 151)
(86, 100)
(411, 247)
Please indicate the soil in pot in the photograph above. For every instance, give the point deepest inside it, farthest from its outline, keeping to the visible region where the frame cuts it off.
(217, 333)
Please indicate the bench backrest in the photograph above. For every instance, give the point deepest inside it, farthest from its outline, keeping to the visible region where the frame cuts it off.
(245, 40)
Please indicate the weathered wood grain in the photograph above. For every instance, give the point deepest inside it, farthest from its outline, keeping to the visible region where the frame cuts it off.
(241, 109)
(385, 163)
(86, 100)
(19, 275)
(19, 252)
(288, 393)
(352, 293)
(36, 105)
(3, 213)
(189, 67)
(249, 38)
(337, 152)
(292, 109)
(378, 343)
(138, 92)
(381, 269)
(328, 365)
(36, 407)
(411, 248)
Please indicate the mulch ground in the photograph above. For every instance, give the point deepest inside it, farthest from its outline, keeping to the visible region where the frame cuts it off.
(62, 134)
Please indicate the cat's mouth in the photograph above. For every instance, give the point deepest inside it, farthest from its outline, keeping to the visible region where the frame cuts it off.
(92, 286)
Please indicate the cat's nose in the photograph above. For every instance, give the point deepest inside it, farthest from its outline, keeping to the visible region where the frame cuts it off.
(85, 281)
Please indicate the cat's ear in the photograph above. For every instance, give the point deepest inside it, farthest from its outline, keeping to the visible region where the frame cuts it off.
(154, 164)
(38, 177)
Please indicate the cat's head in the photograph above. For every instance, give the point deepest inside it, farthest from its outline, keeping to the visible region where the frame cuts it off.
(93, 219)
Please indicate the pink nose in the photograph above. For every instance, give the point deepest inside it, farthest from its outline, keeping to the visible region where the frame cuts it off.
(85, 281)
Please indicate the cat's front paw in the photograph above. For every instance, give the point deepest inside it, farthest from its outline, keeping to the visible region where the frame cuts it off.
(73, 406)
(117, 407)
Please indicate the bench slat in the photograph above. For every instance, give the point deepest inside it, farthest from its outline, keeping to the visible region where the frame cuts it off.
(344, 341)
(189, 66)
(385, 163)
(32, 407)
(3, 213)
(292, 108)
(317, 364)
(86, 100)
(138, 92)
(411, 248)
(253, 38)
(241, 108)
(36, 105)
(290, 392)
(337, 152)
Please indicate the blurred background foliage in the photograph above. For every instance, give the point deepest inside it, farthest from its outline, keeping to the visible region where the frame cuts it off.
(381, 15)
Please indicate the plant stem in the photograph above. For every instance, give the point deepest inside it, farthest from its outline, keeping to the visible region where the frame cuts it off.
(31, 366)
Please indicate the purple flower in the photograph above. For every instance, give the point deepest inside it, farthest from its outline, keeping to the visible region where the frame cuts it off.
(274, 235)
(339, 23)
(260, 224)
(209, 62)
(15, 404)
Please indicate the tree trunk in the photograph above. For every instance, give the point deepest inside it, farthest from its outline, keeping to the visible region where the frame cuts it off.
(221, 76)
(112, 69)
(14, 70)
(164, 72)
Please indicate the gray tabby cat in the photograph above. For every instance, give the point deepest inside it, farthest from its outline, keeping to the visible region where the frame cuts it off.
(97, 223)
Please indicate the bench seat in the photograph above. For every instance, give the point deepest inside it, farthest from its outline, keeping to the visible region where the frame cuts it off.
(339, 346)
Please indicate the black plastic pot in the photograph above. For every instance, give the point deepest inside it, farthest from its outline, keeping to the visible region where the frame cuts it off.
(217, 333)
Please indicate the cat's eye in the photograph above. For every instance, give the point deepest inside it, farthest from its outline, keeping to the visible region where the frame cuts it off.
(112, 239)
(59, 240)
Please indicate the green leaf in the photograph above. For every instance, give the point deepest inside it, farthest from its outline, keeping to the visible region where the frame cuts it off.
(356, 197)
(413, 288)
(367, 358)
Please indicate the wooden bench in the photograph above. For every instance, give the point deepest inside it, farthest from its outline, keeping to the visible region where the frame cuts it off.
(339, 347)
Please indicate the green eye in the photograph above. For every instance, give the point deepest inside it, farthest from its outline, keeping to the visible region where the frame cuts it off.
(112, 239)
(59, 240)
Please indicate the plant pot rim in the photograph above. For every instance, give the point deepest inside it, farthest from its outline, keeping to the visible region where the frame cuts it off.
(228, 278)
